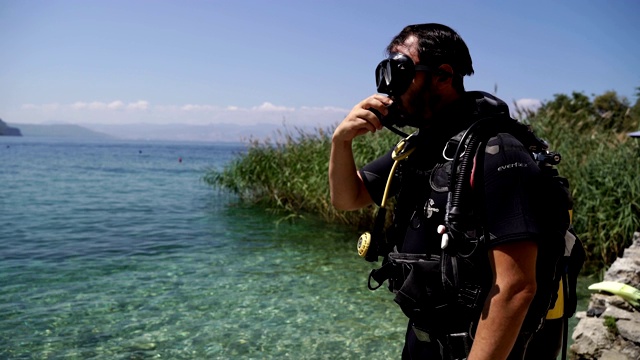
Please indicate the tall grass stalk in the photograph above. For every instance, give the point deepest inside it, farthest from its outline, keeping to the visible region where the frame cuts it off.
(290, 174)
(603, 168)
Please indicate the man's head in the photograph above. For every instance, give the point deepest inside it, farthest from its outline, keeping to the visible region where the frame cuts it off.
(440, 49)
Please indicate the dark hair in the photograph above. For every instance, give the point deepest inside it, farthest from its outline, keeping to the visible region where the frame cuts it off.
(438, 44)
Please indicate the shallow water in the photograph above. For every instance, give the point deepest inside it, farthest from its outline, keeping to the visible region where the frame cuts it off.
(118, 250)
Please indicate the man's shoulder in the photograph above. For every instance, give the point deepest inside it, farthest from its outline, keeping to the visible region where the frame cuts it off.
(505, 147)
(506, 140)
(483, 104)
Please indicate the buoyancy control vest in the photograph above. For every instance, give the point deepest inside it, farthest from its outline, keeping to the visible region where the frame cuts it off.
(437, 282)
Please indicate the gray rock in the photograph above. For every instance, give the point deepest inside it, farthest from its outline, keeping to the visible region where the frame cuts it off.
(632, 252)
(622, 314)
(592, 339)
(629, 330)
(631, 349)
(613, 355)
(625, 270)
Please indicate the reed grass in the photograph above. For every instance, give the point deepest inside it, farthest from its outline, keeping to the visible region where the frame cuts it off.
(603, 167)
(289, 173)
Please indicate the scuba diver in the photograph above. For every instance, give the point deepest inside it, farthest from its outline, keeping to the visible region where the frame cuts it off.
(474, 277)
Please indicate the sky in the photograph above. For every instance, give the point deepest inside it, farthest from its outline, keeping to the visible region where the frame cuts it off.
(302, 62)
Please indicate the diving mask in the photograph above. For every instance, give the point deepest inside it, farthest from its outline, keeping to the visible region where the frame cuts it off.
(395, 73)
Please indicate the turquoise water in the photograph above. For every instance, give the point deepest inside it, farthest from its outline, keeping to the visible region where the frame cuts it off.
(118, 250)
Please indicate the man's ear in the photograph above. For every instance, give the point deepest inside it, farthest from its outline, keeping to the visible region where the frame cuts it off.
(443, 78)
(445, 72)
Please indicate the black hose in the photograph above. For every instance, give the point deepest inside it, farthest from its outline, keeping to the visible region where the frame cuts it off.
(455, 214)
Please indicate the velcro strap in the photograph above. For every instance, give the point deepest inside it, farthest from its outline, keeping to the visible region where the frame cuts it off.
(380, 275)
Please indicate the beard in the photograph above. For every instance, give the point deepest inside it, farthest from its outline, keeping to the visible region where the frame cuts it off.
(421, 108)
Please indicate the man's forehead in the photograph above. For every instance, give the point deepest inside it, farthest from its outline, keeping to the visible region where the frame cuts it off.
(409, 47)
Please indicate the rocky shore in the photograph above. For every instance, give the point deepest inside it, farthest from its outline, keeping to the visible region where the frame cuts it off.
(610, 328)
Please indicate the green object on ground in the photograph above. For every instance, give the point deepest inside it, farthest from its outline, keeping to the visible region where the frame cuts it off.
(627, 292)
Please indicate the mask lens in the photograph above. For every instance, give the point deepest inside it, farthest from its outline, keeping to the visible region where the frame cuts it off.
(387, 75)
(382, 77)
(394, 75)
(379, 75)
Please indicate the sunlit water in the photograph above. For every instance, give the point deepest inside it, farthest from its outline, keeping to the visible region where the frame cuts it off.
(113, 250)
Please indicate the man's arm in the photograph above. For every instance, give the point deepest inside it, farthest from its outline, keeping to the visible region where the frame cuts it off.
(514, 286)
(347, 188)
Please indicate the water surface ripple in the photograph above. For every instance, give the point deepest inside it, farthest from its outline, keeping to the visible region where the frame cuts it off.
(118, 250)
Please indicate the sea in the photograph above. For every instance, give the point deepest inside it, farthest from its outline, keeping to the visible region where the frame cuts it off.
(119, 250)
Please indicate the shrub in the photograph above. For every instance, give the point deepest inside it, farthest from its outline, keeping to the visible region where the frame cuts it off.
(602, 164)
(290, 173)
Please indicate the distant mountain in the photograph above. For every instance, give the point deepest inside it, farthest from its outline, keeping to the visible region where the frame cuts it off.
(61, 131)
(172, 132)
(6, 130)
(185, 132)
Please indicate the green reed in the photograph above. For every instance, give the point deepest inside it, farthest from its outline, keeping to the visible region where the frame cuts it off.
(603, 167)
(290, 173)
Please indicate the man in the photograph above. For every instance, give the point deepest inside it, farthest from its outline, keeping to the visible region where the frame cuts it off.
(434, 100)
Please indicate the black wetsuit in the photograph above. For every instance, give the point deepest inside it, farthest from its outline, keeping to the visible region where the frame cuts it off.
(516, 210)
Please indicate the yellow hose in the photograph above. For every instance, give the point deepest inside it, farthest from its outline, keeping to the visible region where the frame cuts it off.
(400, 152)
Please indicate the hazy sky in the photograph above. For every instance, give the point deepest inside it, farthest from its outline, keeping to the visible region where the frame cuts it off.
(244, 61)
